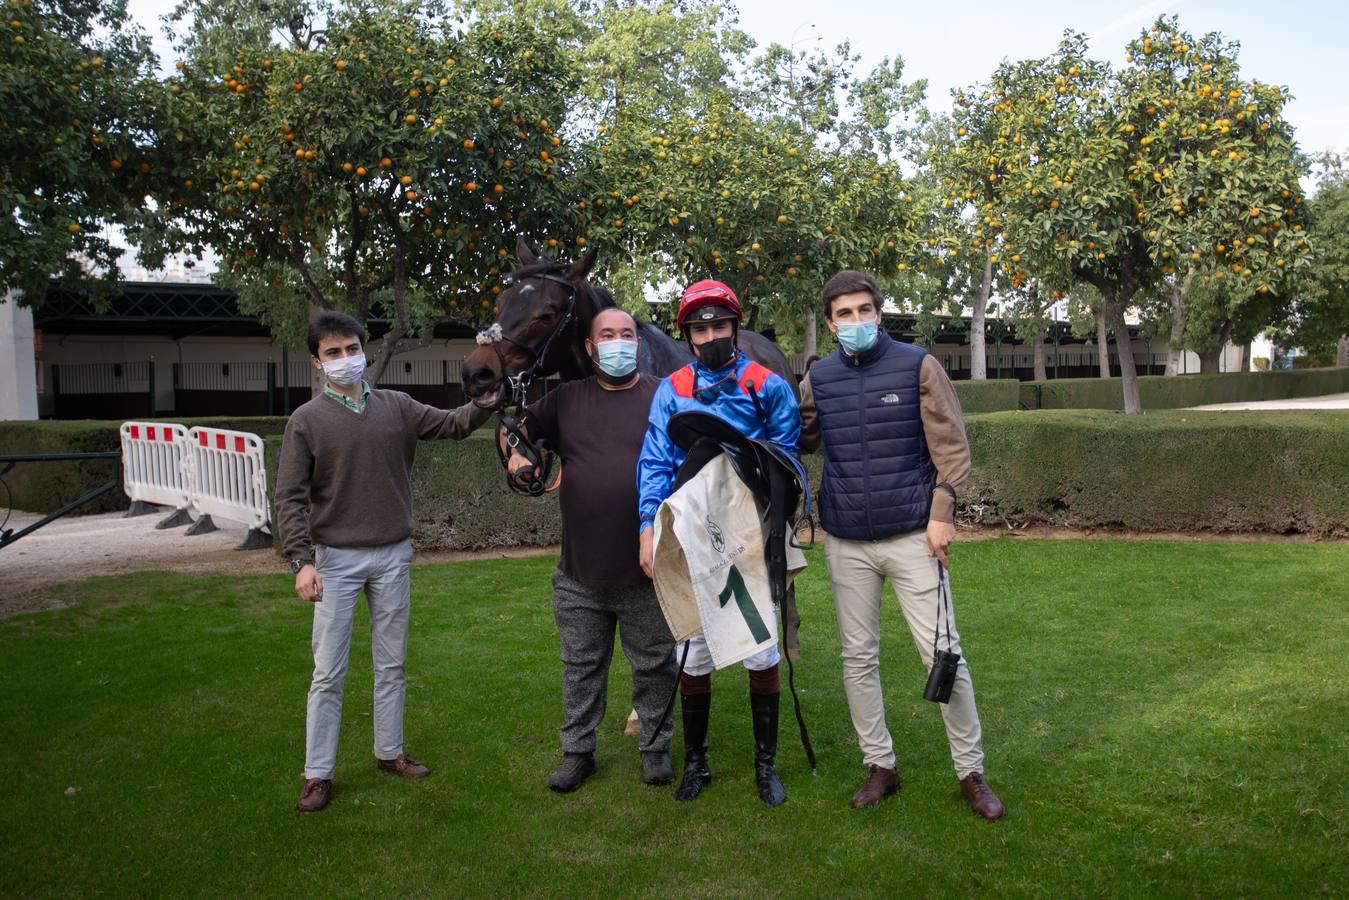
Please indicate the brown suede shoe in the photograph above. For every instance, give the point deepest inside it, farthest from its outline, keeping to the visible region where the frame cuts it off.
(316, 794)
(880, 783)
(980, 796)
(405, 766)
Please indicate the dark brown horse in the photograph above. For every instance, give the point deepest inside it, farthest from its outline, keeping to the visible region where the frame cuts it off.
(545, 317)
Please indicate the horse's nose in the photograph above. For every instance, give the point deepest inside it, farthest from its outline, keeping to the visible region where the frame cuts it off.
(478, 378)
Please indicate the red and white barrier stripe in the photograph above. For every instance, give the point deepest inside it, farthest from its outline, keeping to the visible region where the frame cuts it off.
(155, 463)
(229, 478)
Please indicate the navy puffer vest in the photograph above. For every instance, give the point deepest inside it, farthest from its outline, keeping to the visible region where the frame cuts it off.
(878, 474)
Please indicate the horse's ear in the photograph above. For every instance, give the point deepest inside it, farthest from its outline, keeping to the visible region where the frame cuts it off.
(581, 268)
(523, 253)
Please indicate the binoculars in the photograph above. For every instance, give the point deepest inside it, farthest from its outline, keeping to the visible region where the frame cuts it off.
(942, 677)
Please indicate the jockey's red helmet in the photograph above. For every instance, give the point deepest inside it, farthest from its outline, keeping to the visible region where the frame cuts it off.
(708, 301)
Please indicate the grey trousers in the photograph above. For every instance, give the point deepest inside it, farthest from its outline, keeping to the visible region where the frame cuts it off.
(384, 574)
(586, 618)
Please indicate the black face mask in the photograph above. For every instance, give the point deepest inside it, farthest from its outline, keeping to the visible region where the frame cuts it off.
(717, 353)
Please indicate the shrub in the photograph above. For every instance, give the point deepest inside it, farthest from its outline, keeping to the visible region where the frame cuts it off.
(1179, 391)
(43, 487)
(1281, 471)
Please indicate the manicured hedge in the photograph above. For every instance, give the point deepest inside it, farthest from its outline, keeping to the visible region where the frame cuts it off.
(988, 396)
(43, 487)
(1274, 472)
(1180, 391)
(1280, 471)
(460, 500)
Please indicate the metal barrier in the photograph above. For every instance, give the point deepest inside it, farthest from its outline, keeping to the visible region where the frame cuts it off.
(8, 461)
(155, 470)
(229, 480)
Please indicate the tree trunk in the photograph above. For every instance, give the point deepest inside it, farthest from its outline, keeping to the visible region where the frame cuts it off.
(1041, 372)
(1342, 351)
(315, 375)
(1175, 354)
(1210, 360)
(1246, 357)
(1124, 350)
(810, 346)
(1102, 342)
(978, 351)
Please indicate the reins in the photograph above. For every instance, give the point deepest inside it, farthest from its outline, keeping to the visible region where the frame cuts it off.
(532, 479)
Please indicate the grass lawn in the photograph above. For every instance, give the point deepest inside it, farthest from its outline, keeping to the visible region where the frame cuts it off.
(1160, 718)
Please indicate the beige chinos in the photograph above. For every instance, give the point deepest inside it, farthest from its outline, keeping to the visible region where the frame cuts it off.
(857, 573)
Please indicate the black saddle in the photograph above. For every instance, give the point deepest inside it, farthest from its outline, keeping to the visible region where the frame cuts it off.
(774, 477)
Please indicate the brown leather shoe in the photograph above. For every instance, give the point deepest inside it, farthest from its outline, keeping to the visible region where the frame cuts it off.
(315, 796)
(880, 783)
(405, 766)
(980, 796)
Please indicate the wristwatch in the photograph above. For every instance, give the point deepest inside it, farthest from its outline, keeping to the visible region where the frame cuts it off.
(297, 564)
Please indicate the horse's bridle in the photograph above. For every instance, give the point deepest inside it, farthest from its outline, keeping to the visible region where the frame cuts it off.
(533, 478)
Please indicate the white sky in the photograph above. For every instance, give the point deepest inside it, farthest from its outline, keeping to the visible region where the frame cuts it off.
(1301, 46)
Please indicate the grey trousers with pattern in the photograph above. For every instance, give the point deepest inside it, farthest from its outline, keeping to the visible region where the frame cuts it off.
(586, 619)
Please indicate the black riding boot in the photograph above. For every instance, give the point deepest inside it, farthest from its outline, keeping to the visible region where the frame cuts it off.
(696, 774)
(764, 708)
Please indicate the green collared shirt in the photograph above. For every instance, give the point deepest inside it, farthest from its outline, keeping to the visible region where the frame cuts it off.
(347, 401)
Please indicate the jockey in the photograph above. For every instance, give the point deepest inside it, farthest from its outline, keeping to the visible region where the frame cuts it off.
(762, 406)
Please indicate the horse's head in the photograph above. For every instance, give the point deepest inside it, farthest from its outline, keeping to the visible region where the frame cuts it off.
(539, 314)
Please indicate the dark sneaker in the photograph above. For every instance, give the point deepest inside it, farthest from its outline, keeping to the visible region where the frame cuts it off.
(881, 783)
(316, 794)
(656, 768)
(980, 796)
(572, 772)
(403, 765)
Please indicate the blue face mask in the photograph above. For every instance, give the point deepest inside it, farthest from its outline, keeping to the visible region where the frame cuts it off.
(857, 337)
(617, 358)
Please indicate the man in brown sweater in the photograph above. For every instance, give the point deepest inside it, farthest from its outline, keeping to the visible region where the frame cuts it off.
(896, 457)
(344, 507)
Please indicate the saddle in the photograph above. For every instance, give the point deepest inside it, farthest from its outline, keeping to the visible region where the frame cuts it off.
(775, 478)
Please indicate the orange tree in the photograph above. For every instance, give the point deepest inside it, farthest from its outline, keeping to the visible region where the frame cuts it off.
(770, 184)
(1122, 180)
(1321, 309)
(966, 154)
(382, 162)
(75, 84)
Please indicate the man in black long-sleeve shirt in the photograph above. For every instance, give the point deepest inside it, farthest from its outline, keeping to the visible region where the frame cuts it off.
(597, 424)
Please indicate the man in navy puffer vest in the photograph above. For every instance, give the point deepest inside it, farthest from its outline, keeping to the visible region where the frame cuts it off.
(895, 457)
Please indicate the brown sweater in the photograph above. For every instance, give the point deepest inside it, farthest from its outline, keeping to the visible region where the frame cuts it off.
(345, 478)
(943, 429)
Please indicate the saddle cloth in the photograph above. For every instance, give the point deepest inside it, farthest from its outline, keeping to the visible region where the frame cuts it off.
(711, 576)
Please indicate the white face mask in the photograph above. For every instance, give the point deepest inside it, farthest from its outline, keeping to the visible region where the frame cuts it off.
(344, 372)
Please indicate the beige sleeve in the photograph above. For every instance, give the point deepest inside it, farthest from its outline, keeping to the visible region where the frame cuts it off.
(810, 419)
(944, 429)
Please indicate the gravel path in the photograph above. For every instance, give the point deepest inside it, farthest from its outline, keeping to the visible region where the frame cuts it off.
(1325, 401)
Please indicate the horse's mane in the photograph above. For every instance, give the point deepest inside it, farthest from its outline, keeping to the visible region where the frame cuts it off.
(600, 297)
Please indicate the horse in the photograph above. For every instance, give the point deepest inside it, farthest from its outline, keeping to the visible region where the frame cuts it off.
(544, 319)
